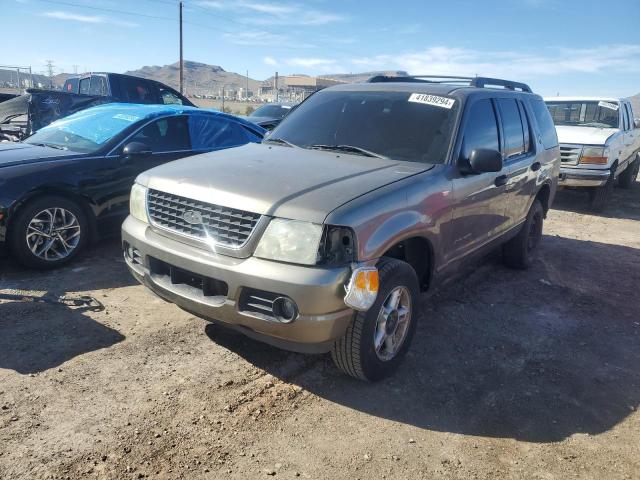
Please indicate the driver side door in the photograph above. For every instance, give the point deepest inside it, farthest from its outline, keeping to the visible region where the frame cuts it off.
(480, 212)
(166, 139)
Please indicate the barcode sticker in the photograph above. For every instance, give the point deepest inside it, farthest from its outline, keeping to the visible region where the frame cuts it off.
(610, 106)
(442, 102)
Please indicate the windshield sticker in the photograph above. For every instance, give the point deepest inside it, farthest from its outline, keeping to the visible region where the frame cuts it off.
(124, 116)
(610, 106)
(434, 100)
(286, 106)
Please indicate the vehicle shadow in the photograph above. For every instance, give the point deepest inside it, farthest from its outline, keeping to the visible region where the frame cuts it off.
(624, 204)
(101, 266)
(58, 334)
(536, 356)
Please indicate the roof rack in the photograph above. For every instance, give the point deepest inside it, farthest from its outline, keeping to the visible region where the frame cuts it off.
(478, 82)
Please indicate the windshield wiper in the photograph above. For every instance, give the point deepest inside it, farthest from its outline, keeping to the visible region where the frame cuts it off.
(281, 141)
(51, 145)
(350, 149)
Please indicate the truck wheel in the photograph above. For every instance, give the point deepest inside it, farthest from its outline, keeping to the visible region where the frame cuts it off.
(48, 232)
(628, 177)
(599, 196)
(377, 340)
(520, 251)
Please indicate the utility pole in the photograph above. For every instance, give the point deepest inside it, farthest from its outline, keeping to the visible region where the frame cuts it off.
(276, 85)
(246, 94)
(223, 98)
(181, 61)
(50, 72)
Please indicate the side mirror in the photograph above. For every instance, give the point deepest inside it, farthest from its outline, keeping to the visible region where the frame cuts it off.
(135, 149)
(482, 160)
(636, 122)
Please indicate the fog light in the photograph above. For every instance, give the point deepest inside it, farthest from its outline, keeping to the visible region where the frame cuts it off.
(362, 289)
(285, 309)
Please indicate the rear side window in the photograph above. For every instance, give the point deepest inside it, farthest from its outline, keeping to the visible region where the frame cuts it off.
(209, 132)
(98, 86)
(84, 86)
(512, 127)
(545, 123)
(481, 130)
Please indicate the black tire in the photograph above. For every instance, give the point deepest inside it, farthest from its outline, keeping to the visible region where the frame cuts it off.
(20, 226)
(628, 177)
(355, 353)
(599, 196)
(520, 252)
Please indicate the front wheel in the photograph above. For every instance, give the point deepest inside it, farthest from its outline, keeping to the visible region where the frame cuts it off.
(599, 196)
(377, 340)
(48, 232)
(628, 177)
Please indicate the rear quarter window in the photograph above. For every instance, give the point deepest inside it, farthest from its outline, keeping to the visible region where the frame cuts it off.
(545, 123)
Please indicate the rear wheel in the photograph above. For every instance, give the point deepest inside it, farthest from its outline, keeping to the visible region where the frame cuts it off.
(599, 196)
(628, 177)
(521, 251)
(377, 340)
(48, 232)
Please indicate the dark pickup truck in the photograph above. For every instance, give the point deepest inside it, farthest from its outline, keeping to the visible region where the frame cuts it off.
(23, 115)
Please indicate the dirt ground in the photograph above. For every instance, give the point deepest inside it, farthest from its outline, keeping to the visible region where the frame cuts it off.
(512, 374)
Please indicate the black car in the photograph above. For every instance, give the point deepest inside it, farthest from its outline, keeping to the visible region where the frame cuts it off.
(69, 182)
(270, 115)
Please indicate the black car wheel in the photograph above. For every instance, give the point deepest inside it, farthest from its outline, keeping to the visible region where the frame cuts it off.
(520, 251)
(48, 232)
(628, 177)
(377, 340)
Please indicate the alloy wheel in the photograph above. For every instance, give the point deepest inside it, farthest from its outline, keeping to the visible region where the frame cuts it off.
(53, 234)
(393, 323)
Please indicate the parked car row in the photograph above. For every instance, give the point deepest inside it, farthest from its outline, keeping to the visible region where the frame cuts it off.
(319, 235)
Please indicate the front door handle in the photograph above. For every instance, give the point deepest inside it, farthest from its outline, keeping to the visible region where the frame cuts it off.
(501, 180)
(535, 166)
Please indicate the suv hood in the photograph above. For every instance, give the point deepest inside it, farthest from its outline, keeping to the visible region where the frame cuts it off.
(584, 135)
(276, 180)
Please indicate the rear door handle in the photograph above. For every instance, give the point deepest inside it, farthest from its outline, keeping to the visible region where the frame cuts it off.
(501, 180)
(535, 166)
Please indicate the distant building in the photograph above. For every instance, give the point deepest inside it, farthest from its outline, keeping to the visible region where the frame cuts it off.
(294, 87)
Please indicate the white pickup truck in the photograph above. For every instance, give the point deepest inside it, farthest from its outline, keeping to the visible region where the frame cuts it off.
(599, 144)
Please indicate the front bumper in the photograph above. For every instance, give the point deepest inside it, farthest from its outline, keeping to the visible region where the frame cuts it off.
(583, 177)
(317, 292)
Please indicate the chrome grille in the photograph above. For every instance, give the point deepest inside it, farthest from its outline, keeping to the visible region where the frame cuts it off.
(226, 226)
(570, 154)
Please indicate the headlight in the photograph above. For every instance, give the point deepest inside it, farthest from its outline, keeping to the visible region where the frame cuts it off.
(594, 155)
(290, 241)
(138, 202)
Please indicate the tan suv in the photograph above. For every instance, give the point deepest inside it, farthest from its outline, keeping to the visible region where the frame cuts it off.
(322, 237)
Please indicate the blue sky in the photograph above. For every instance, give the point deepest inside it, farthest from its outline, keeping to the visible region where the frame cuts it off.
(557, 46)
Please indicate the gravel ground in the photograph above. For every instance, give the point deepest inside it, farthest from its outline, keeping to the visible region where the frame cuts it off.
(530, 375)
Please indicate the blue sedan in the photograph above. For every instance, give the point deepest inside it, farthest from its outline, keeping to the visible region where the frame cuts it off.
(69, 182)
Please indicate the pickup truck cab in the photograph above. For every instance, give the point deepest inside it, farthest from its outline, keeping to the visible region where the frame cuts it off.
(599, 144)
(321, 238)
(124, 88)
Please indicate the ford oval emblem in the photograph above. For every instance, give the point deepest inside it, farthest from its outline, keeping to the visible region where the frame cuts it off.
(192, 217)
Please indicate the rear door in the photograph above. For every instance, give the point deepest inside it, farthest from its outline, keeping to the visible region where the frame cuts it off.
(479, 215)
(518, 156)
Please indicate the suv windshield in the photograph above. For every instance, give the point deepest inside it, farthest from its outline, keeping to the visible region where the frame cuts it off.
(585, 114)
(397, 125)
(85, 131)
(276, 111)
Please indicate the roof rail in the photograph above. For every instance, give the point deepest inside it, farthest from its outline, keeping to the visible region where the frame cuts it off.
(478, 82)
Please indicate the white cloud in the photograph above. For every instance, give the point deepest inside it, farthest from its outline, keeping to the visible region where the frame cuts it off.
(263, 13)
(442, 60)
(255, 38)
(310, 62)
(95, 19)
(270, 61)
